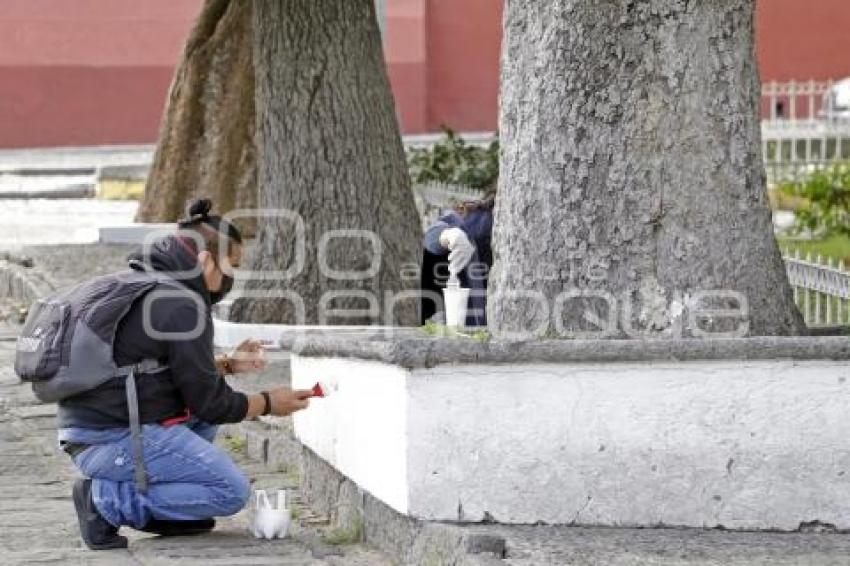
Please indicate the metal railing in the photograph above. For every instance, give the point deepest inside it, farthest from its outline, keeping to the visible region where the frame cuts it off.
(799, 132)
(432, 199)
(821, 288)
(791, 159)
(794, 101)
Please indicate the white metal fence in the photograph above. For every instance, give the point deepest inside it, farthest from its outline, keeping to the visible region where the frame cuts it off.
(821, 288)
(800, 132)
(433, 198)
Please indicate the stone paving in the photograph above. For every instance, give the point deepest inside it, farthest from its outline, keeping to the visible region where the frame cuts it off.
(38, 523)
(536, 545)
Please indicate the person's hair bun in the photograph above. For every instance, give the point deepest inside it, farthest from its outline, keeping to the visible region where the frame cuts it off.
(198, 213)
(199, 208)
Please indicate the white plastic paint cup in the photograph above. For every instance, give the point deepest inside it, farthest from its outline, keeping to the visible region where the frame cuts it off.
(455, 299)
(270, 522)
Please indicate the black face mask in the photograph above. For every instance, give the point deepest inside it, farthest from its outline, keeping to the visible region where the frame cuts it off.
(226, 286)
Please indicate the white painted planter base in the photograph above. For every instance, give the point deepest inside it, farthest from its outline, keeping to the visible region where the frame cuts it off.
(230, 334)
(747, 444)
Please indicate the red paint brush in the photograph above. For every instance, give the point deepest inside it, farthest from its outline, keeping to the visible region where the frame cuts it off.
(321, 390)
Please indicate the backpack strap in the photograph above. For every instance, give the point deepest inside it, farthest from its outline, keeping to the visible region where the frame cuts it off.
(148, 365)
(145, 366)
(136, 434)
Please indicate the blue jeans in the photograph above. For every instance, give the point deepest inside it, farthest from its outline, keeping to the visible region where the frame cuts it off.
(188, 476)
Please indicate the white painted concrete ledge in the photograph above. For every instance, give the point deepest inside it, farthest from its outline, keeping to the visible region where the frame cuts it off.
(746, 444)
(229, 334)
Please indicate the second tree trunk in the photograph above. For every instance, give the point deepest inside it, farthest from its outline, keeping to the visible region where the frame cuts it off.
(339, 223)
(632, 176)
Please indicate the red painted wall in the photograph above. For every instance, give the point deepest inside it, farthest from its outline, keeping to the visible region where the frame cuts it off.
(796, 39)
(87, 72)
(93, 72)
(406, 53)
(803, 39)
(48, 106)
(464, 43)
(443, 62)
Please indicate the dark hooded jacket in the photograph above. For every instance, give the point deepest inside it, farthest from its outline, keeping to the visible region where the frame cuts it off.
(478, 226)
(191, 381)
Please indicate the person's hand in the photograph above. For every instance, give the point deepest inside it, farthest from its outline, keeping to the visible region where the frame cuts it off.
(247, 356)
(460, 248)
(286, 401)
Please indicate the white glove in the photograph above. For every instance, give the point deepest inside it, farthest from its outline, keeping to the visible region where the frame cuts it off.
(462, 250)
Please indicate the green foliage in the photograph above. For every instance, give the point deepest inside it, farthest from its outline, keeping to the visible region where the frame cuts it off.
(836, 246)
(434, 329)
(480, 336)
(443, 331)
(827, 194)
(340, 536)
(234, 444)
(452, 160)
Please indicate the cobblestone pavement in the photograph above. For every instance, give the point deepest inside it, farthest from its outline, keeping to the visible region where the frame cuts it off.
(38, 523)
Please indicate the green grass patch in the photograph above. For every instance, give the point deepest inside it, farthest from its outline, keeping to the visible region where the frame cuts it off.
(234, 444)
(836, 246)
(291, 473)
(340, 536)
(443, 331)
(434, 329)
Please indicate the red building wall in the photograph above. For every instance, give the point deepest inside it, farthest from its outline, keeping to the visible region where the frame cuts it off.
(406, 52)
(463, 64)
(87, 72)
(96, 72)
(443, 62)
(803, 39)
(796, 39)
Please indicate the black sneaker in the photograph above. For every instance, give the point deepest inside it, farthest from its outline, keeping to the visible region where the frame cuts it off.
(97, 532)
(166, 528)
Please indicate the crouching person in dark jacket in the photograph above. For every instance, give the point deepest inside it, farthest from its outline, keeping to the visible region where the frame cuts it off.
(189, 480)
(458, 244)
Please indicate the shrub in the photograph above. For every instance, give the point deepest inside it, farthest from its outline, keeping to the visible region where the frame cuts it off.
(452, 160)
(826, 194)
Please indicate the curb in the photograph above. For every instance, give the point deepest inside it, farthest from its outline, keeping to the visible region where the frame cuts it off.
(76, 191)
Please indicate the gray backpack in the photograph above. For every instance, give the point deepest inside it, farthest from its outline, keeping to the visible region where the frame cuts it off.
(66, 344)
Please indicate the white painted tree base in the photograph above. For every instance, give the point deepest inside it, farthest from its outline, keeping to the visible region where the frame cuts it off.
(746, 444)
(230, 334)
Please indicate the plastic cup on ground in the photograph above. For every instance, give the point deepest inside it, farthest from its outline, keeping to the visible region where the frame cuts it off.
(455, 299)
(270, 522)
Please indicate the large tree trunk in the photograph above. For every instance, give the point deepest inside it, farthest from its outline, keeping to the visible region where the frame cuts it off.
(631, 172)
(329, 150)
(206, 142)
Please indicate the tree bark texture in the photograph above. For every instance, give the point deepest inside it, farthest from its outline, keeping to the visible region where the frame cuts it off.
(206, 143)
(631, 169)
(330, 153)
